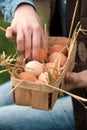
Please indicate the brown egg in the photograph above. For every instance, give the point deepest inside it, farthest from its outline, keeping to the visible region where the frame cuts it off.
(58, 48)
(62, 58)
(27, 76)
(59, 40)
(43, 55)
(50, 68)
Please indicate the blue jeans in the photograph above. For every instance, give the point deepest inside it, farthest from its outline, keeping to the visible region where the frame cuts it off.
(15, 117)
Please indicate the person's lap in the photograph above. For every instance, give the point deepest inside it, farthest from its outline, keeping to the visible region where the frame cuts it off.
(15, 117)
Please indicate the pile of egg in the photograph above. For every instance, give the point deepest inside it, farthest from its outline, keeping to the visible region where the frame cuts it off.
(37, 71)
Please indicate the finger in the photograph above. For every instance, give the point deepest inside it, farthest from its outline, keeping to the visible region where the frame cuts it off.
(36, 45)
(9, 33)
(43, 42)
(72, 77)
(67, 76)
(20, 39)
(28, 40)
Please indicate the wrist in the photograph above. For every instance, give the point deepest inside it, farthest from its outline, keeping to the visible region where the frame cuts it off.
(24, 6)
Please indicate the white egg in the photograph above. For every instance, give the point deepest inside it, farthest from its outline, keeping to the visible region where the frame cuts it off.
(43, 77)
(34, 67)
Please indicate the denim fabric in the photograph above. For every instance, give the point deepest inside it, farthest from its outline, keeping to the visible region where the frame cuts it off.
(15, 117)
(8, 7)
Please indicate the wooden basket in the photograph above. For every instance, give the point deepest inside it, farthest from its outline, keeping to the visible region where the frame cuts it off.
(39, 95)
(35, 95)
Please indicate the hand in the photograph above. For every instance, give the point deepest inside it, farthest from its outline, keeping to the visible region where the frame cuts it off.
(75, 80)
(29, 33)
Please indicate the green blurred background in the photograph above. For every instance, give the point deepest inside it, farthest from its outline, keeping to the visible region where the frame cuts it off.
(8, 46)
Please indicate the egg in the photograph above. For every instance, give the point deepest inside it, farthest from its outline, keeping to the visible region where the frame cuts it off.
(43, 55)
(58, 48)
(62, 58)
(59, 40)
(43, 77)
(27, 76)
(34, 67)
(52, 69)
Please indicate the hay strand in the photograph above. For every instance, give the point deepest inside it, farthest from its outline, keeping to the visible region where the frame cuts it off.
(78, 98)
(73, 18)
(3, 29)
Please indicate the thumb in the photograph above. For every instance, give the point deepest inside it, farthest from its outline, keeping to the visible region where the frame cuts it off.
(72, 76)
(71, 81)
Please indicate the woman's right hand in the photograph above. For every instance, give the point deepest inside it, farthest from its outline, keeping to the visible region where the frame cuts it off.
(28, 30)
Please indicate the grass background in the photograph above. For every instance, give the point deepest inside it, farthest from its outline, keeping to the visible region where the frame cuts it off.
(8, 46)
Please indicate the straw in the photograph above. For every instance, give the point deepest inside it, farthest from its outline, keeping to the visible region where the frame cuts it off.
(73, 18)
(3, 29)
